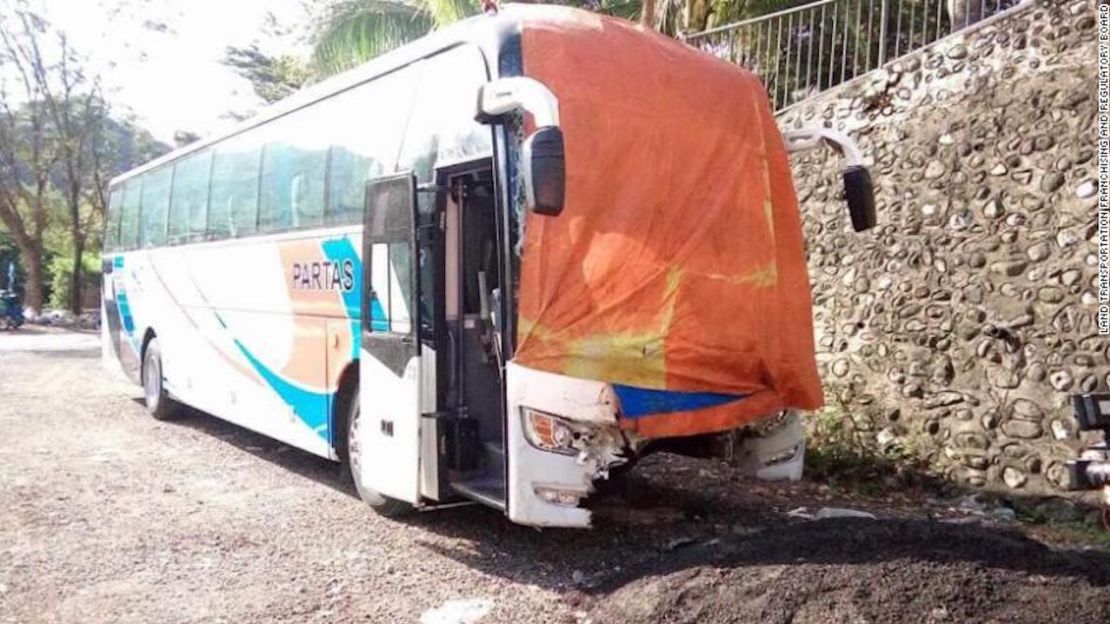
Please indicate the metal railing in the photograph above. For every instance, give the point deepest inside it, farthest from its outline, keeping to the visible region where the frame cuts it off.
(802, 51)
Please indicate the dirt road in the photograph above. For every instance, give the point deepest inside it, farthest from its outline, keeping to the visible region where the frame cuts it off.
(109, 516)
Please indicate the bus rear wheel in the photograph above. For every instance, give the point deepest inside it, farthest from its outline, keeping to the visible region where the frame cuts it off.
(157, 400)
(383, 505)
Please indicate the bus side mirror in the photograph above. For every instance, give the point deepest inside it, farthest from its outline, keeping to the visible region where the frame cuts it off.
(544, 171)
(860, 195)
(544, 155)
(859, 192)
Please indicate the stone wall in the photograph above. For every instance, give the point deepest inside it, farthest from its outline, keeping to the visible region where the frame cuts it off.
(959, 327)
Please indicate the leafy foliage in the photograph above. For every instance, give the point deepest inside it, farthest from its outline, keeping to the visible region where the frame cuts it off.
(350, 32)
(59, 147)
(272, 77)
(841, 453)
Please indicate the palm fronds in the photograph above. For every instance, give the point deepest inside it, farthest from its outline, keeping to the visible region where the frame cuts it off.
(354, 31)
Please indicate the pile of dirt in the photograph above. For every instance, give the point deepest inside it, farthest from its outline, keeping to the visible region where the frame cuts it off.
(848, 570)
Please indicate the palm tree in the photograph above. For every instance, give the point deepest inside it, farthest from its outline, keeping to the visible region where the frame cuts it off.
(353, 31)
(350, 32)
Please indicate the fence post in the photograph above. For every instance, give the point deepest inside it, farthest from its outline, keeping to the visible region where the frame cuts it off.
(882, 31)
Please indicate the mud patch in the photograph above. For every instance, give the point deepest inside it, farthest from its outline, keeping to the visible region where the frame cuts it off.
(850, 570)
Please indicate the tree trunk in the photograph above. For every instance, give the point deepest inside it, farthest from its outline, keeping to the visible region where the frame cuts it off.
(964, 13)
(32, 268)
(75, 281)
(647, 14)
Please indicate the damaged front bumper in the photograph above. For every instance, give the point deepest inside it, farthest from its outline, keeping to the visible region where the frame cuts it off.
(563, 434)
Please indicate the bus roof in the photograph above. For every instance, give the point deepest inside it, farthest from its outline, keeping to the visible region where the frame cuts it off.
(480, 29)
(488, 31)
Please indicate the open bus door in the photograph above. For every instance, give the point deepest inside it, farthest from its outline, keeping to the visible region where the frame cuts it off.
(388, 436)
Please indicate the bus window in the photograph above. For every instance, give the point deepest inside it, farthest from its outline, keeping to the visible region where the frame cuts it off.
(155, 204)
(189, 204)
(366, 126)
(442, 128)
(111, 224)
(293, 168)
(233, 204)
(129, 216)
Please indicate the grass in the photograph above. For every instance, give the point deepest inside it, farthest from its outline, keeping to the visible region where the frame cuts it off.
(842, 455)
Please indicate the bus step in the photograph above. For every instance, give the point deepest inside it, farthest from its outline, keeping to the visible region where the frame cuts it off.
(486, 490)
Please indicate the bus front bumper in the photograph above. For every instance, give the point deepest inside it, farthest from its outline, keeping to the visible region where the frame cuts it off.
(562, 436)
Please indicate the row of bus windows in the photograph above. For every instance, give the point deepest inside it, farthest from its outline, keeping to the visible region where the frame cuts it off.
(309, 168)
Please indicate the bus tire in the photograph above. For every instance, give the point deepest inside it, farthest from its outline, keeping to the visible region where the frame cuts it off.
(157, 400)
(381, 504)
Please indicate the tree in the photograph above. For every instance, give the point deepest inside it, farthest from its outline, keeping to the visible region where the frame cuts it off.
(963, 13)
(181, 138)
(350, 32)
(59, 147)
(272, 77)
(55, 80)
(27, 160)
(647, 15)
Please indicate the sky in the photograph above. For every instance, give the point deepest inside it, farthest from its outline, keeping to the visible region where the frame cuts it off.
(160, 58)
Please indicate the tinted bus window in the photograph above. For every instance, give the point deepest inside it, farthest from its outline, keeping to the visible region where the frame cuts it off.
(293, 166)
(111, 221)
(155, 205)
(189, 205)
(442, 127)
(129, 216)
(233, 205)
(368, 124)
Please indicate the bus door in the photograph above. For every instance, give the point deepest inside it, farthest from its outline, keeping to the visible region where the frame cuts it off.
(390, 366)
(473, 294)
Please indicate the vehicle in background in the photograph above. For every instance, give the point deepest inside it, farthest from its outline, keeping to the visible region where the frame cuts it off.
(497, 305)
(11, 308)
(1092, 470)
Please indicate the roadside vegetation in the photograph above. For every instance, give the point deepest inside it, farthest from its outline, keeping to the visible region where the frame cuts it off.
(60, 144)
(846, 456)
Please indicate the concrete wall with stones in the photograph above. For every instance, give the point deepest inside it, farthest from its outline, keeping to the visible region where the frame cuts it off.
(960, 326)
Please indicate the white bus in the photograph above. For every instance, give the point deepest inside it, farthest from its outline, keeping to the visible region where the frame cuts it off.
(346, 272)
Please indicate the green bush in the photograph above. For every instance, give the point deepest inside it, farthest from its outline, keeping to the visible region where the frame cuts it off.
(60, 268)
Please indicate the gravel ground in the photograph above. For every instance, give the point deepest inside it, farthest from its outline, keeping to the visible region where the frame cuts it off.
(109, 516)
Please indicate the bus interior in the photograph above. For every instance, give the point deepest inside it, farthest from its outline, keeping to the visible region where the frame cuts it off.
(474, 446)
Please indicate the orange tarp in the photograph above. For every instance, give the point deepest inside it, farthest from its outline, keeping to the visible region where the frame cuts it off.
(678, 261)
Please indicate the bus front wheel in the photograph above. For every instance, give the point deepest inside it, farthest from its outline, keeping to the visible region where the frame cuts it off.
(157, 400)
(381, 504)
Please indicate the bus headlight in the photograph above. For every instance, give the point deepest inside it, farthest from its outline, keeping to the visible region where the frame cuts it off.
(548, 432)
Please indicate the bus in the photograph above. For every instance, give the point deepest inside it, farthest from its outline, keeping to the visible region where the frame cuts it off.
(490, 266)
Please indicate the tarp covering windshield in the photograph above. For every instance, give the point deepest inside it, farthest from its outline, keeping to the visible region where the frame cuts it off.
(676, 271)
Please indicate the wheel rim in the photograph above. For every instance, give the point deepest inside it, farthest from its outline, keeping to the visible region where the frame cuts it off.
(152, 381)
(352, 446)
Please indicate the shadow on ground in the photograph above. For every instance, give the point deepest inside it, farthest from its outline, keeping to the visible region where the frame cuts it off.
(677, 521)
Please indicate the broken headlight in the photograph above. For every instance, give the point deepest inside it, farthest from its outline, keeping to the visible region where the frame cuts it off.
(550, 433)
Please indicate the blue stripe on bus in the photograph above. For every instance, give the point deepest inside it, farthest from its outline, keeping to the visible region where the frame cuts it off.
(310, 407)
(638, 402)
(338, 250)
(125, 312)
(123, 306)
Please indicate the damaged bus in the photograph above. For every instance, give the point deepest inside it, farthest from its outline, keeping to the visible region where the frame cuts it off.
(492, 265)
